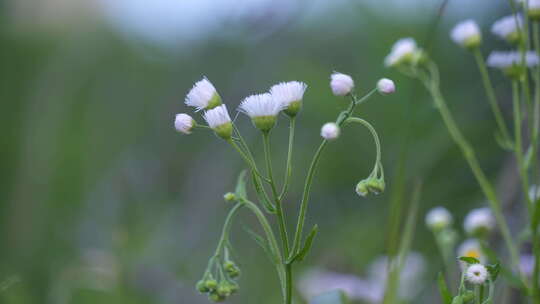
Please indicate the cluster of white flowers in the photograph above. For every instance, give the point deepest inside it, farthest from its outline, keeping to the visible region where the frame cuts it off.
(479, 221)
(404, 50)
(508, 59)
(467, 34)
(438, 218)
(508, 28)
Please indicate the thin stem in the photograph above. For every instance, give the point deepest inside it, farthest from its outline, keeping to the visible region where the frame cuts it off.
(490, 92)
(246, 158)
(288, 170)
(226, 229)
(373, 133)
(279, 208)
(534, 147)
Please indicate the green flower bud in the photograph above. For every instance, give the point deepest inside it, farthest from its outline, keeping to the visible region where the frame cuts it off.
(224, 131)
(293, 108)
(234, 287)
(229, 197)
(264, 123)
(224, 290)
(232, 270)
(211, 284)
(201, 287)
(376, 185)
(362, 188)
(216, 297)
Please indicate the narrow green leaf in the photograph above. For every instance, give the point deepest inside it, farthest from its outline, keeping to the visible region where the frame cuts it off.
(241, 185)
(494, 271)
(307, 244)
(263, 243)
(469, 260)
(443, 289)
(536, 218)
(331, 297)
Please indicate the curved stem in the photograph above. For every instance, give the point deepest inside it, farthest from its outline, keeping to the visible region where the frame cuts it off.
(490, 92)
(226, 229)
(288, 170)
(373, 133)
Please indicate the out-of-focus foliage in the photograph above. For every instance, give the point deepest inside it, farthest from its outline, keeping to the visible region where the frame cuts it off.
(101, 201)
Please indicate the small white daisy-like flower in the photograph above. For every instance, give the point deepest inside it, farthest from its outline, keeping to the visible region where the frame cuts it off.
(403, 50)
(184, 123)
(330, 131)
(341, 84)
(477, 274)
(438, 218)
(386, 86)
(479, 221)
(467, 34)
(510, 62)
(262, 109)
(471, 248)
(290, 95)
(219, 120)
(508, 28)
(203, 95)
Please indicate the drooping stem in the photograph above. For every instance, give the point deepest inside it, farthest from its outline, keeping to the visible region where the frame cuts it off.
(375, 138)
(226, 228)
(490, 92)
(288, 170)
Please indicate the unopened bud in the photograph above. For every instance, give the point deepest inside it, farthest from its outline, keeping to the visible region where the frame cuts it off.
(229, 197)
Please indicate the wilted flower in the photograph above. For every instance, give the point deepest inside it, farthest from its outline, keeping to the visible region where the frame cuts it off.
(341, 84)
(476, 274)
(184, 123)
(330, 131)
(471, 248)
(467, 34)
(290, 95)
(479, 222)
(262, 109)
(404, 50)
(508, 28)
(219, 120)
(203, 95)
(386, 86)
(438, 219)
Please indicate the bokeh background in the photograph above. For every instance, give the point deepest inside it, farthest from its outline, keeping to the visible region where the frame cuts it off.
(101, 201)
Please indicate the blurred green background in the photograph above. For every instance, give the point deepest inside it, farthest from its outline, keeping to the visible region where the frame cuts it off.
(101, 201)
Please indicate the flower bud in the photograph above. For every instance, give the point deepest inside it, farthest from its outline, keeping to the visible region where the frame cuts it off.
(468, 296)
(467, 34)
(330, 131)
(216, 297)
(229, 197)
(224, 290)
(362, 188)
(376, 186)
(232, 270)
(184, 123)
(386, 86)
(341, 84)
(438, 219)
(211, 284)
(201, 287)
(404, 51)
(219, 120)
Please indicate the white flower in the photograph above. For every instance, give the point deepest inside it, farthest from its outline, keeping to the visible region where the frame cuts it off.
(479, 220)
(477, 274)
(341, 84)
(262, 109)
(507, 27)
(403, 50)
(290, 95)
(386, 86)
(534, 193)
(330, 131)
(203, 95)
(184, 123)
(218, 119)
(438, 218)
(467, 34)
(502, 59)
(471, 248)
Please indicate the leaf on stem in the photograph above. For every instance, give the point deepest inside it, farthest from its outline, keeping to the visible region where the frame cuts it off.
(241, 185)
(494, 270)
(469, 260)
(307, 245)
(443, 289)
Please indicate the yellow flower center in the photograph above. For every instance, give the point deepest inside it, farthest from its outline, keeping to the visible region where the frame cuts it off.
(473, 253)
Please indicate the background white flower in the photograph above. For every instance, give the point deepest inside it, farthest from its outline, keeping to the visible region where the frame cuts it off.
(404, 47)
(507, 27)
(507, 59)
(471, 248)
(466, 33)
(479, 219)
(438, 218)
(386, 86)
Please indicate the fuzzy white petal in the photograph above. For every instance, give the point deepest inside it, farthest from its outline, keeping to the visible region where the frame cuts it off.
(477, 274)
(200, 95)
(288, 92)
(400, 49)
(507, 26)
(438, 218)
(464, 31)
(217, 116)
(341, 84)
(481, 218)
(386, 86)
(183, 123)
(260, 105)
(503, 59)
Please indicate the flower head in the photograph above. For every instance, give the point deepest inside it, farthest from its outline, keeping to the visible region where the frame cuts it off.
(341, 84)
(471, 248)
(184, 123)
(219, 120)
(477, 274)
(467, 34)
(508, 28)
(262, 109)
(438, 218)
(386, 86)
(479, 221)
(533, 9)
(203, 95)
(290, 95)
(330, 131)
(511, 62)
(404, 50)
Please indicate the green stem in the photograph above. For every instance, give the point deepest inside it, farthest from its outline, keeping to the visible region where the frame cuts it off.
(226, 229)
(375, 138)
(470, 157)
(288, 171)
(490, 92)
(534, 146)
